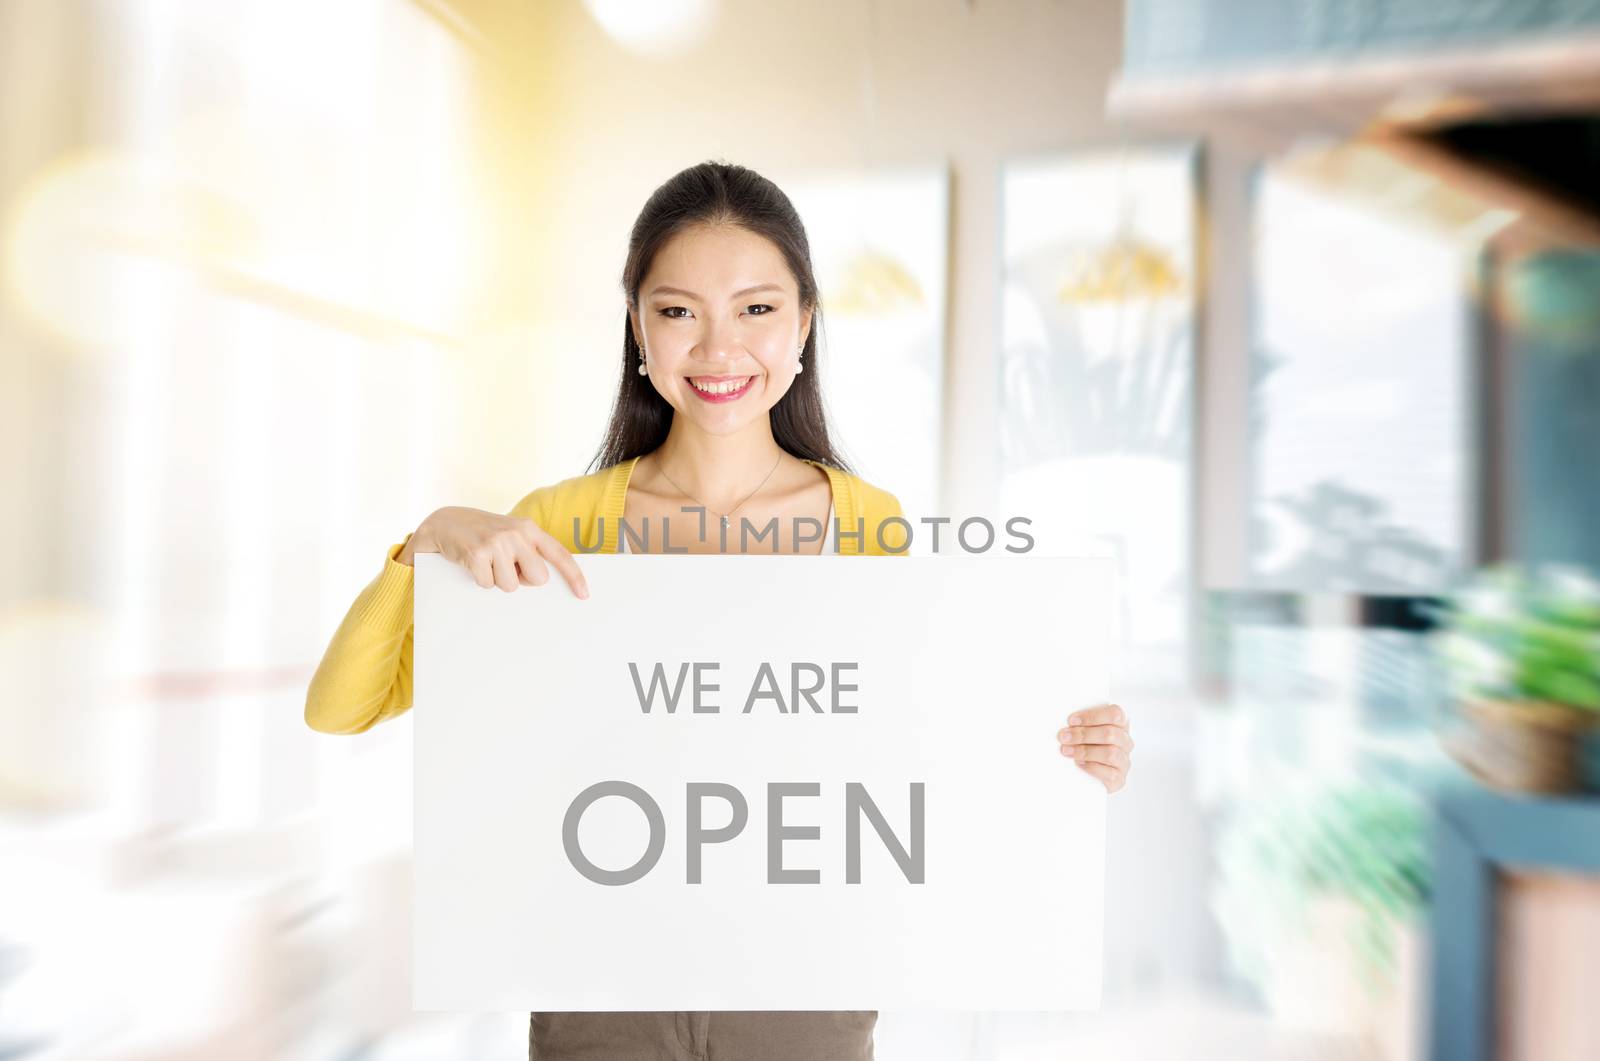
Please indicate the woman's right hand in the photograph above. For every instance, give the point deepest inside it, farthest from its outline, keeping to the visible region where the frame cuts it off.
(504, 551)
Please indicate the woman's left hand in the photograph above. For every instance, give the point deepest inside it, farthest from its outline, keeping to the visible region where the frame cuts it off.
(1097, 740)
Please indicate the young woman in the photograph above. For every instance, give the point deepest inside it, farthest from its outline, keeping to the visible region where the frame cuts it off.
(718, 423)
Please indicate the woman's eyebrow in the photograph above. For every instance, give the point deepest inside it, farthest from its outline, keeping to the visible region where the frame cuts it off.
(663, 289)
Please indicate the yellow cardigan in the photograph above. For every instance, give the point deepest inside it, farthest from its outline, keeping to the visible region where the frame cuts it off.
(365, 674)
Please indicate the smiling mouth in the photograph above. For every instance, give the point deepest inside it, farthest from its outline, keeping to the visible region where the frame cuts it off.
(720, 388)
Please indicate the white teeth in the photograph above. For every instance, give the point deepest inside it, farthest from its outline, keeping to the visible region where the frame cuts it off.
(723, 387)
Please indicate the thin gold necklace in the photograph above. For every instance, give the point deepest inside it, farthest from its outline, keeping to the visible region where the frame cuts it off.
(724, 515)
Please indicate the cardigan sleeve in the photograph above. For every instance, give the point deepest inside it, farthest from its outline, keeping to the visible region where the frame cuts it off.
(365, 674)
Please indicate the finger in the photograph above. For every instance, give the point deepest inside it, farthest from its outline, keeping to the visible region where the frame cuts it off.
(505, 568)
(534, 570)
(1100, 715)
(530, 565)
(1108, 754)
(1096, 735)
(481, 564)
(564, 563)
(1109, 776)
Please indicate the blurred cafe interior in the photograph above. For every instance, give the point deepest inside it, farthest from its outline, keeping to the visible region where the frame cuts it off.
(1294, 309)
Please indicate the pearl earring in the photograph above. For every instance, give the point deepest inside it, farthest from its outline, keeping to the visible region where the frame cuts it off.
(799, 362)
(642, 370)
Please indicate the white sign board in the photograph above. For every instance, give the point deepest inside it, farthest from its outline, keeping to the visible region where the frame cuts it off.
(856, 802)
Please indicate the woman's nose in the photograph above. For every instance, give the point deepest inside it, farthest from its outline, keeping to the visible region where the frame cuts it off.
(721, 342)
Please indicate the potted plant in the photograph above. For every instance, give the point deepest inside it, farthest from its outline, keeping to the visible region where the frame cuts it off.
(1320, 889)
(1523, 652)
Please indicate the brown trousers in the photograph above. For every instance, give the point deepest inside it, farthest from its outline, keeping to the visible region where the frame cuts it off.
(752, 1035)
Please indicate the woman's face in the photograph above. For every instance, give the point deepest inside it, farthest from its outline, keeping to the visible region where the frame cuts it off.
(720, 319)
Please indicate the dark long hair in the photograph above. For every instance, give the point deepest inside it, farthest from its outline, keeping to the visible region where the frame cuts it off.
(718, 193)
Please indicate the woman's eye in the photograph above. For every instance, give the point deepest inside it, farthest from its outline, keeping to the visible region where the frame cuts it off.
(764, 308)
(670, 311)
